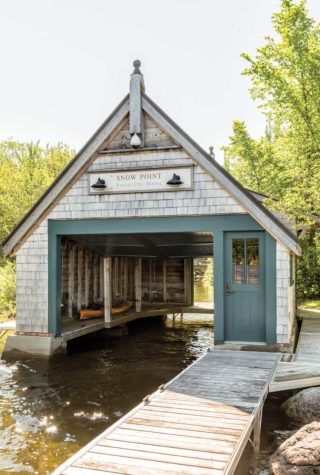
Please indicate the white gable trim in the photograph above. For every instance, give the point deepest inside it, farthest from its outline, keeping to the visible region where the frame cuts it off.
(254, 208)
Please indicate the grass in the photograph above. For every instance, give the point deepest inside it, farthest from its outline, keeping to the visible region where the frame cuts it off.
(310, 304)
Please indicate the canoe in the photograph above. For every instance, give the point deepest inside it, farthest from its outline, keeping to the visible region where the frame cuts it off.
(87, 313)
(122, 308)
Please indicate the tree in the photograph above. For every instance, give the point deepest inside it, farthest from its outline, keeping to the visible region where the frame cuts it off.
(285, 163)
(26, 171)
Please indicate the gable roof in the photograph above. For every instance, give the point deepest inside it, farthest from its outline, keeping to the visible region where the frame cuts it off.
(89, 152)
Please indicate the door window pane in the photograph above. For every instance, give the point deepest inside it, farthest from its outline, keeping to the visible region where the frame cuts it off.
(238, 261)
(252, 253)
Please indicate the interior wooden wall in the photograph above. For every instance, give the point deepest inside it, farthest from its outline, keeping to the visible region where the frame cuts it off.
(165, 280)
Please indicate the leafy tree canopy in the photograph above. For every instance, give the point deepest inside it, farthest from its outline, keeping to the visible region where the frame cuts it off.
(26, 171)
(284, 74)
(285, 162)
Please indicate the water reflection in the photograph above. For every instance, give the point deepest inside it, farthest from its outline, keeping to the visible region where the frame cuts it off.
(50, 409)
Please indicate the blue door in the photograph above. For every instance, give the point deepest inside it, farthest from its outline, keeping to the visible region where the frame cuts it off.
(245, 309)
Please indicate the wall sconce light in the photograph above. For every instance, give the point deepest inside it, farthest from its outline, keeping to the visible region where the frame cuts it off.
(175, 181)
(100, 184)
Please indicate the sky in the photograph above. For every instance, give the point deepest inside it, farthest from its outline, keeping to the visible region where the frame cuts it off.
(66, 64)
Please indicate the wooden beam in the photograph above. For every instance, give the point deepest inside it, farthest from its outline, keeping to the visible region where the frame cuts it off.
(71, 280)
(101, 288)
(115, 276)
(95, 277)
(86, 277)
(121, 277)
(138, 284)
(107, 267)
(151, 273)
(164, 279)
(80, 273)
(187, 280)
(125, 279)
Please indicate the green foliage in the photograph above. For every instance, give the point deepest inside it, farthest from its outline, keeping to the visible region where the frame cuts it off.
(26, 171)
(7, 289)
(308, 269)
(285, 162)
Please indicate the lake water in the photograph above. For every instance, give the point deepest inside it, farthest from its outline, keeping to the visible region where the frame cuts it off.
(49, 410)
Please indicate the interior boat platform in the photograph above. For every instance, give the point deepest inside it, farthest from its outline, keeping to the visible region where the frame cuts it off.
(72, 328)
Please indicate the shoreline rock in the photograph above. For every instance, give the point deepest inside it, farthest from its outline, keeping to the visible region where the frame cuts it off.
(304, 406)
(300, 454)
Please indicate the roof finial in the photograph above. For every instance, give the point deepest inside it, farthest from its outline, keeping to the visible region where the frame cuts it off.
(136, 65)
(212, 154)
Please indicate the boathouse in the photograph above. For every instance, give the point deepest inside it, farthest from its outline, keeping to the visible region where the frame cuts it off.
(118, 230)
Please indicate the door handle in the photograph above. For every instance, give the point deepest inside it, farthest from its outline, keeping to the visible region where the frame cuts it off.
(229, 290)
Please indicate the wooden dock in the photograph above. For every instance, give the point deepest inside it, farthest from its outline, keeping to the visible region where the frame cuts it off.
(198, 423)
(304, 369)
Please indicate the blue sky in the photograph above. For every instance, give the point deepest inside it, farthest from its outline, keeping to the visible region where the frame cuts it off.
(66, 64)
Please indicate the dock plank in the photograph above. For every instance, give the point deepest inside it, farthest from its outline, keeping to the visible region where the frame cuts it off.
(198, 423)
(304, 369)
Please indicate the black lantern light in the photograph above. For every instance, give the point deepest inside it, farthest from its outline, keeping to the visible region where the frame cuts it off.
(175, 181)
(100, 184)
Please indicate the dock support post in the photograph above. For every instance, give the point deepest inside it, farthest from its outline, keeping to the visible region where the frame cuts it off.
(71, 281)
(187, 280)
(107, 289)
(257, 432)
(165, 280)
(138, 284)
(79, 271)
(101, 280)
(86, 277)
(125, 279)
(95, 277)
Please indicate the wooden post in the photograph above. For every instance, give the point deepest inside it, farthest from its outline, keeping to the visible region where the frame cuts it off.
(164, 279)
(107, 266)
(187, 281)
(86, 277)
(121, 278)
(257, 432)
(138, 284)
(101, 280)
(125, 279)
(71, 281)
(95, 277)
(79, 292)
(115, 277)
(151, 263)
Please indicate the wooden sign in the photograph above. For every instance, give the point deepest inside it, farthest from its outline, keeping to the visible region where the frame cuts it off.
(141, 180)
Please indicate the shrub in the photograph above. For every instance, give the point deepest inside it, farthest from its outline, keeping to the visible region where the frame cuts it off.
(7, 289)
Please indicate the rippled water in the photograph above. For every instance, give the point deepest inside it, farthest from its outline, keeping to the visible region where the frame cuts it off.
(49, 410)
